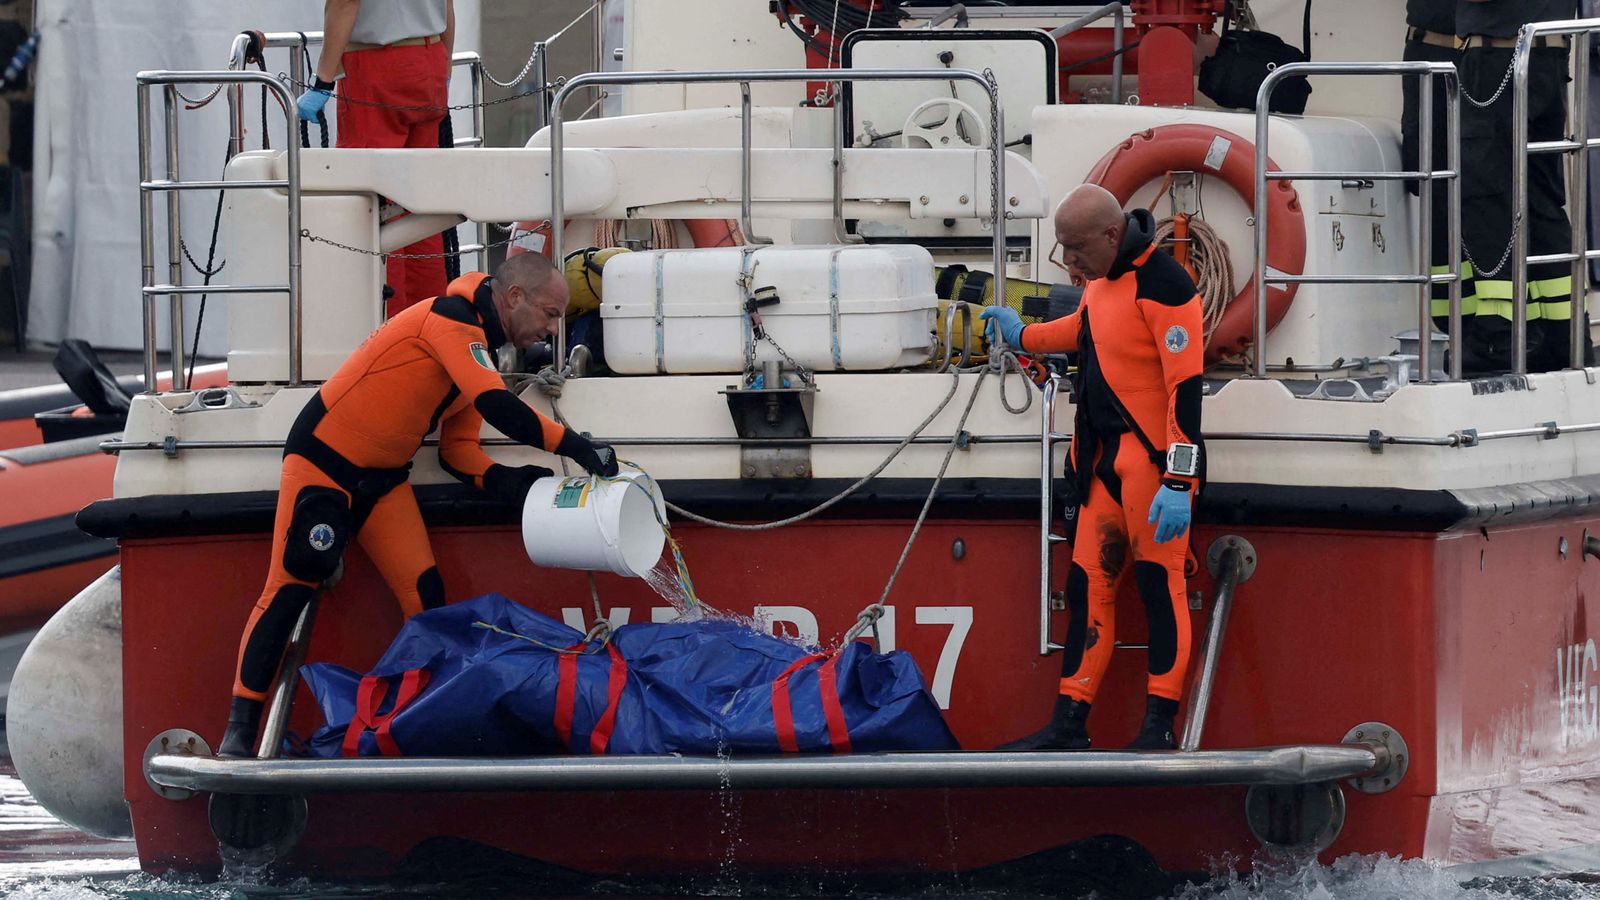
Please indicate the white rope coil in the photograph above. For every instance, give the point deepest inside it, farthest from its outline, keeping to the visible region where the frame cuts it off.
(1208, 260)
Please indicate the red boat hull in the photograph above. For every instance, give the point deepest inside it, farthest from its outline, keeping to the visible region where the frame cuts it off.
(1335, 628)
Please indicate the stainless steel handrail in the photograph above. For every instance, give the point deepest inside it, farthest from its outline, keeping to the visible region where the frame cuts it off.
(172, 186)
(1577, 152)
(1294, 764)
(1118, 47)
(950, 311)
(1426, 176)
(997, 171)
(1232, 572)
(1048, 438)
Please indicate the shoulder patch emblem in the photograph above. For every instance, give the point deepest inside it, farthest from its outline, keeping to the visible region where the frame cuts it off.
(1176, 340)
(480, 354)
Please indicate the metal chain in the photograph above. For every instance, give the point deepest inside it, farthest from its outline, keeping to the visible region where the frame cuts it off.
(802, 371)
(1479, 271)
(208, 273)
(1504, 79)
(520, 75)
(306, 233)
(424, 108)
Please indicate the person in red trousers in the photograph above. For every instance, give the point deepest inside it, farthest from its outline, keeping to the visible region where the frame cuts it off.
(394, 59)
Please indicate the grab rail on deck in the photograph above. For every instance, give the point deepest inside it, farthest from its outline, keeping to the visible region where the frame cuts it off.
(173, 186)
(1576, 150)
(1119, 12)
(1425, 176)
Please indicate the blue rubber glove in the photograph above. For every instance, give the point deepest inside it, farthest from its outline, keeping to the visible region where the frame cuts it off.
(311, 103)
(1169, 512)
(1005, 320)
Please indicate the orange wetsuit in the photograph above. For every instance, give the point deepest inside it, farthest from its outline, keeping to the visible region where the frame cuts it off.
(1143, 353)
(347, 456)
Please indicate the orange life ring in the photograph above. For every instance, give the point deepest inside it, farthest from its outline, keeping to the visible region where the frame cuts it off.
(1148, 155)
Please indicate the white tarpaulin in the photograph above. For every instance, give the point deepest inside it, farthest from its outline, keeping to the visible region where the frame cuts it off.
(86, 273)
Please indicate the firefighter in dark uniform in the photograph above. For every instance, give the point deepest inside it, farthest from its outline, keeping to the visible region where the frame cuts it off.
(1488, 31)
(1431, 37)
(346, 460)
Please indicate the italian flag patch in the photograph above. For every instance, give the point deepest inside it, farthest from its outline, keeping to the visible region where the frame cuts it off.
(480, 354)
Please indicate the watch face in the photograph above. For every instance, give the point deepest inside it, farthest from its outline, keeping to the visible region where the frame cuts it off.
(1181, 459)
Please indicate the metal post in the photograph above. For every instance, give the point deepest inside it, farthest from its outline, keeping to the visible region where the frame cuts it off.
(541, 77)
(1452, 89)
(236, 97)
(1118, 47)
(997, 175)
(840, 233)
(288, 680)
(1047, 428)
(1425, 226)
(744, 169)
(1578, 199)
(475, 84)
(1519, 203)
(147, 241)
(292, 159)
(174, 236)
(1195, 725)
(1258, 365)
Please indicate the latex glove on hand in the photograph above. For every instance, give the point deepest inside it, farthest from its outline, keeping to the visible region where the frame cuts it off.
(596, 458)
(314, 99)
(1169, 512)
(1002, 319)
(510, 484)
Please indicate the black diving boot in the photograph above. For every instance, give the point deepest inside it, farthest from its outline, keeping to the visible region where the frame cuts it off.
(1067, 729)
(1156, 731)
(239, 740)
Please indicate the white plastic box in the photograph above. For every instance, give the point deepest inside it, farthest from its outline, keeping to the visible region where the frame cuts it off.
(841, 308)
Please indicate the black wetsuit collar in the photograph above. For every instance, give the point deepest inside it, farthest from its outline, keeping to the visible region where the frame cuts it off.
(483, 302)
(1136, 238)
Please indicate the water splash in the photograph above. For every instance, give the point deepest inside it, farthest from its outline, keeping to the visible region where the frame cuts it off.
(1372, 877)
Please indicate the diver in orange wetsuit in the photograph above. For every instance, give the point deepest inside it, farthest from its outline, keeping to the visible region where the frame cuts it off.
(1137, 450)
(346, 459)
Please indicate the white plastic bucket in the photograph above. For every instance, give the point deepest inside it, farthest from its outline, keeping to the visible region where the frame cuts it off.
(589, 523)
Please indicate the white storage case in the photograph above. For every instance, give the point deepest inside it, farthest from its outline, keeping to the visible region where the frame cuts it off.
(841, 308)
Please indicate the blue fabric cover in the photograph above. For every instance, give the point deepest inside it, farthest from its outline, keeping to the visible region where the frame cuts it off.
(692, 687)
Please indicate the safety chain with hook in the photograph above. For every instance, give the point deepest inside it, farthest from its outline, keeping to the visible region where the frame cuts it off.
(316, 239)
(1479, 271)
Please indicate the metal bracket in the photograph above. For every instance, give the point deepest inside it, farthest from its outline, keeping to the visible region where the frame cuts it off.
(214, 398)
(1551, 430)
(1394, 757)
(773, 411)
(1468, 437)
(174, 740)
(1375, 440)
(1246, 556)
(169, 446)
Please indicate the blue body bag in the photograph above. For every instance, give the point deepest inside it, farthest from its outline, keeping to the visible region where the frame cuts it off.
(490, 677)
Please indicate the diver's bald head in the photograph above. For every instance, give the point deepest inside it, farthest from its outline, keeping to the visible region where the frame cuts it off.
(1089, 226)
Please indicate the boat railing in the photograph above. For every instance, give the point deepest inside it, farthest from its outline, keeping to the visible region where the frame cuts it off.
(1425, 176)
(744, 78)
(173, 186)
(1119, 12)
(1576, 149)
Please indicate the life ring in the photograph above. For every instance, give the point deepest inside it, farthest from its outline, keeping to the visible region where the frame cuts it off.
(1148, 155)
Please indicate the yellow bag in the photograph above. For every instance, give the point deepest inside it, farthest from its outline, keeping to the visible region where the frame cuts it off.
(583, 270)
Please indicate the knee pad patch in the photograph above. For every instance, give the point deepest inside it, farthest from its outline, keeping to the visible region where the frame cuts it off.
(430, 588)
(318, 533)
(1151, 579)
(1078, 622)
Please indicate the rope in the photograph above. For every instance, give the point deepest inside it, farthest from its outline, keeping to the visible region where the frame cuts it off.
(955, 381)
(1213, 271)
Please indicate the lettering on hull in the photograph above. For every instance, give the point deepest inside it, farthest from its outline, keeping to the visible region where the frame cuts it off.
(1578, 699)
(799, 623)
